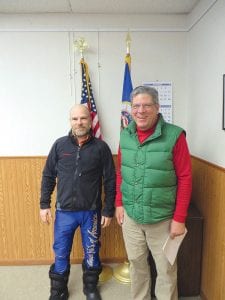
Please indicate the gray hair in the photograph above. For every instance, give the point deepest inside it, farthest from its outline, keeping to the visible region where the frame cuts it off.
(143, 89)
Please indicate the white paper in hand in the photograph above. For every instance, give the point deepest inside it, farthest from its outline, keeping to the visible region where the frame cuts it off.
(171, 247)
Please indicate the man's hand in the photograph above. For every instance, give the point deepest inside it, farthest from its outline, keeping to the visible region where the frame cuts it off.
(105, 221)
(46, 215)
(120, 214)
(176, 228)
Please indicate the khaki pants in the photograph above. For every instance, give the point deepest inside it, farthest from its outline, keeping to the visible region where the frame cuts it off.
(139, 239)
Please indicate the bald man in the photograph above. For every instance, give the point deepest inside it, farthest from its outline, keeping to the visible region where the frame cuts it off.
(78, 163)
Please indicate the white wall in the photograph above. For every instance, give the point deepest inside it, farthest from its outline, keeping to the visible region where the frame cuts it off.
(206, 66)
(35, 92)
(155, 56)
(40, 78)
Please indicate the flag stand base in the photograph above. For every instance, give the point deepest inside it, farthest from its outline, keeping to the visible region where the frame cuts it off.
(122, 272)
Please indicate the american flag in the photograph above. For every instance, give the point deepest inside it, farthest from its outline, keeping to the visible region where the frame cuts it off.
(87, 98)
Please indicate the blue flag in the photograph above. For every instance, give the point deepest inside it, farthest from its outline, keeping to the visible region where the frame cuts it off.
(127, 89)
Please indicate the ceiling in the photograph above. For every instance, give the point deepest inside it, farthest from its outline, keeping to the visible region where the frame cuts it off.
(98, 6)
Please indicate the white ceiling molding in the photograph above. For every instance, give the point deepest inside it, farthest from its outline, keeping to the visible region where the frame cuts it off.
(198, 12)
(34, 6)
(71, 22)
(133, 6)
(98, 6)
(91, 22)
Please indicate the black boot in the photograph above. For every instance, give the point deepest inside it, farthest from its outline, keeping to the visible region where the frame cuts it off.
(59, 289)
(90, 281)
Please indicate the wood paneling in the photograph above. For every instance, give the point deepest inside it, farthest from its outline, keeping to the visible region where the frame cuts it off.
(23, 238)
(209, 196)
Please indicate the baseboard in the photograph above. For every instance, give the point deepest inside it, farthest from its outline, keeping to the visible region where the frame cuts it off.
(49, 261)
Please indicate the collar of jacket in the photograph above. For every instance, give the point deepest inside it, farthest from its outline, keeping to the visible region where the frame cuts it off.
(74, 139)
(132, 129)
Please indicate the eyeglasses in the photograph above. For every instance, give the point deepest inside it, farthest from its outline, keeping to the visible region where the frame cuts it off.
(144, 106)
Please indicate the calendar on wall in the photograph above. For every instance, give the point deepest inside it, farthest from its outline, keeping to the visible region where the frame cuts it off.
(164, 89)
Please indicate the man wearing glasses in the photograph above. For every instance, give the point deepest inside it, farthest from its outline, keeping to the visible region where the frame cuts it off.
(153, 193)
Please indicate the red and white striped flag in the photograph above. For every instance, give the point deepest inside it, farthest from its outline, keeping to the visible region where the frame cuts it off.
(87, 98)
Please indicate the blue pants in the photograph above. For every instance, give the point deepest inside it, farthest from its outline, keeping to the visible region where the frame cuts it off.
(66, 223)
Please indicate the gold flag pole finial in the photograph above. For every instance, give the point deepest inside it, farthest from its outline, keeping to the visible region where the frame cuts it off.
(128, 42)
(81, 45)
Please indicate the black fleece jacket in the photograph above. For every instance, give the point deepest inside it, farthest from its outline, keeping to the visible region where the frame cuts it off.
(79, 173)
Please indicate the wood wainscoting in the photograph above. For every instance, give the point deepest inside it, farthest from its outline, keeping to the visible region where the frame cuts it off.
(209, 196)
(23, 238)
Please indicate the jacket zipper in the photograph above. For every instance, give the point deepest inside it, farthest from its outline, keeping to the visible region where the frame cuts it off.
(75, 175)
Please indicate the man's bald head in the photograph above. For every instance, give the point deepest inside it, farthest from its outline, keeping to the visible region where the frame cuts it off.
(80, 108)
(80, 120)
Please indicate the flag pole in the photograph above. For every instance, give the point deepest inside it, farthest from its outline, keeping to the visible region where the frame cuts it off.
(87, 97)
(122, 271)
(128, 42)
(128, 45)
(81, 45)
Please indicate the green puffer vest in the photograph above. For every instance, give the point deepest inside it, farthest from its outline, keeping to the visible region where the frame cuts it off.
(148, 177)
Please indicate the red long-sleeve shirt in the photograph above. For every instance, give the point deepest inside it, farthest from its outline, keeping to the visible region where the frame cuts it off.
(182, 166)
